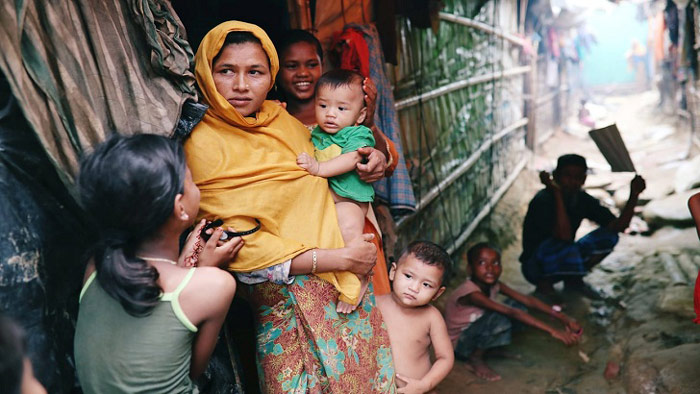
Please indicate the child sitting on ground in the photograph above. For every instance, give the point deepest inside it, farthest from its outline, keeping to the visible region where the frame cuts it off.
(340, 109)
(477, 322)
(412, 323)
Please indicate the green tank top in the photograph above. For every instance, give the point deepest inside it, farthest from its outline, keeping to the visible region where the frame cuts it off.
(116, 352)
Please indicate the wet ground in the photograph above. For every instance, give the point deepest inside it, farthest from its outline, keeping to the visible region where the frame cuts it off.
(643, 326)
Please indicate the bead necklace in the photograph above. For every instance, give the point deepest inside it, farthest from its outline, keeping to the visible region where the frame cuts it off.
(157, 259)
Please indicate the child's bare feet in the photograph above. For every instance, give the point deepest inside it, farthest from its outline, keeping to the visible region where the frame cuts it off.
(476, 364)
(344, 307)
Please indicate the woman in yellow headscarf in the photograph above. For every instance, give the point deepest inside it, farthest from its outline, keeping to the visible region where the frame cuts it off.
(243, 158)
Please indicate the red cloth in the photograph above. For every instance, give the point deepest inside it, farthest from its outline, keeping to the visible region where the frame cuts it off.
(354, 53)
(696, 298)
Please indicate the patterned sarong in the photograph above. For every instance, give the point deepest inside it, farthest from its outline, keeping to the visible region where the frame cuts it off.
(304, 346)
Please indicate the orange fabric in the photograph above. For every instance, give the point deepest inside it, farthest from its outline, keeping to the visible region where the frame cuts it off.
(245, 168)
(392, 160)
(380, 279)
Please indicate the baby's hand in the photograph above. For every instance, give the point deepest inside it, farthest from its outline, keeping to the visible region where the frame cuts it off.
(412, 386)
(305, 161)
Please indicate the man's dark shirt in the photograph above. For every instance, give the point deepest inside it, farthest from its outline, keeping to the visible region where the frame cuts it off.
(541, 217)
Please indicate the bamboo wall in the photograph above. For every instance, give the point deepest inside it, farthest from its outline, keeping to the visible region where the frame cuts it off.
(465, 145)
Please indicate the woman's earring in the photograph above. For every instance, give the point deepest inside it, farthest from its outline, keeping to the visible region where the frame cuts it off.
(184, 216)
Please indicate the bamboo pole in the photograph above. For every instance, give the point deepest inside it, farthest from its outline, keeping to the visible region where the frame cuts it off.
(482, 26)
(531, 101)
(464, 167)
(489, 206)
(411, 101)
(674, 272)
(686, 264)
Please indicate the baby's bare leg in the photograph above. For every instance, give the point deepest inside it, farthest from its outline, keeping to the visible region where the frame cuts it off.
(351, 219)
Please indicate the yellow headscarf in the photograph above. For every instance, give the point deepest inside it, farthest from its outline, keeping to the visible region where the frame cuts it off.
(245, 168)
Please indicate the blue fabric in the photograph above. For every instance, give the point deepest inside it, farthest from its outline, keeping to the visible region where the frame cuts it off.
(555, 258)
(396, 191)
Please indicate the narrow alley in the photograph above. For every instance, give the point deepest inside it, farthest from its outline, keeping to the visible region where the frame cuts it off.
(642, 332)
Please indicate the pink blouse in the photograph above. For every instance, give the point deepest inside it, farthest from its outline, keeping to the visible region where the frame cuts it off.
(458, 317)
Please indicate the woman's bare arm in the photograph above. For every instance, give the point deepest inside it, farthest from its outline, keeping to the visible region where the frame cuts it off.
(358, 257)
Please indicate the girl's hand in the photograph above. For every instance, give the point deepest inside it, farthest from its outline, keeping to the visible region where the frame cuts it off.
(412, 385)
(305, 161)
(193, 246)
(360, 255)
(217, 253)
(568, 338)
(574, 327)
(370, 90)
(374, 169)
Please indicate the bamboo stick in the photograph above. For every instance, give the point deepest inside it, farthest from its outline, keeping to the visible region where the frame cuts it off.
(483, 27)
(464, 167)
(686, 264)
(489, 206)
(673, 270)
(410, 101)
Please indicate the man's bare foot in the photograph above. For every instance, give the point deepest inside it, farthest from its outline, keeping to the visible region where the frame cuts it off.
(344, 307)
(476, 364)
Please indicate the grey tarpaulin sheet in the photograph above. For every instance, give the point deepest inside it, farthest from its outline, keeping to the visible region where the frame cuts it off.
(81, 69)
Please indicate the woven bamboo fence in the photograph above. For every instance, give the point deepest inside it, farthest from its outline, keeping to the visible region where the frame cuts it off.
(460, 98)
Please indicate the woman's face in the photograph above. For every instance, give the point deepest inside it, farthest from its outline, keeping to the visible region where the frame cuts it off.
(242, 75)
(300, 68)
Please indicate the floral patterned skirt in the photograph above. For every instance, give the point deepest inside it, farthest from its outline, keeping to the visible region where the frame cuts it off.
(305, 346)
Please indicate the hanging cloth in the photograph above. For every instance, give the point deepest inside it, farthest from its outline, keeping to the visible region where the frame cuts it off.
(354, 54)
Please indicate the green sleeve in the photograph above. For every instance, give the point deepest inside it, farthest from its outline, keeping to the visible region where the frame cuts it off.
(358, 137)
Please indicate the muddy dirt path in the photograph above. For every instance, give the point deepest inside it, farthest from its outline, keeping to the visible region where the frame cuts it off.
(644, 324)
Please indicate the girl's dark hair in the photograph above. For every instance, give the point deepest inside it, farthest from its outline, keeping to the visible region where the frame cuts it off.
(292, 37)
(239, 37)
(473, 252)
(128, 186)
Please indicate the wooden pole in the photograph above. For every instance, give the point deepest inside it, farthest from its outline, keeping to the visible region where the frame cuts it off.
(530, 90)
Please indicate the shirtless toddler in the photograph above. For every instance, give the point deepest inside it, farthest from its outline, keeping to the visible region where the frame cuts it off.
(412, 323)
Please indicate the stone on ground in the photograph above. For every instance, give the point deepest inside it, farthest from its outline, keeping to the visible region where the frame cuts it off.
(669, 211)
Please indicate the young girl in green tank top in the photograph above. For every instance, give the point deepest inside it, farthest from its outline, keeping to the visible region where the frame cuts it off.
(146, 322)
